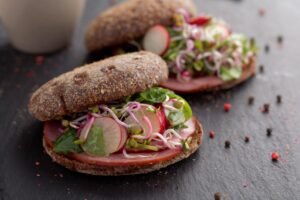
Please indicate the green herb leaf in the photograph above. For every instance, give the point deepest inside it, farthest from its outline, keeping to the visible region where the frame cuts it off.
(180, 126)
(187, 111)
(153, 95)
(231, 73)
(94, 109)
(176, 118)
(158, 95)
(199, 46)
(198, 66)
(65, 143)
(95, 144)
(186, 144)
(134, 144)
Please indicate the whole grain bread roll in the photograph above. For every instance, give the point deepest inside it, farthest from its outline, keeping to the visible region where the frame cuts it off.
(94, 169)
(131, 20)
(104, 81)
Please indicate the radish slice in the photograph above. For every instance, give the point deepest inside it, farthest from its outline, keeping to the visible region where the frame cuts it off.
(164, 123)
(124, 137)
(146, 110)
(157, 40)
(86, 129)
(112, 134)
(218, 29)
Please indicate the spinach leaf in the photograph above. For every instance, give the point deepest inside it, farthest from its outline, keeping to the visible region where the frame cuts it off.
(65, 143)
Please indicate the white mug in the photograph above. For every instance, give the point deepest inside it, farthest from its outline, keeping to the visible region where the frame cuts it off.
(40, 26)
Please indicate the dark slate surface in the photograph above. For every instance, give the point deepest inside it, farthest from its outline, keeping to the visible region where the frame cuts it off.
(245, 171)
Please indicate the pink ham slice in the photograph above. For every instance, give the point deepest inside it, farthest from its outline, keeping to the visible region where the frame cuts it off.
(120, 160)
(206, 83)
(195, 85)
(51, 133)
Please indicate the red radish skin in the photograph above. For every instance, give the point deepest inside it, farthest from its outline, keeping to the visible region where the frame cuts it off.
(124, 137)
(200, 21)
(163, 120)
(157, 40)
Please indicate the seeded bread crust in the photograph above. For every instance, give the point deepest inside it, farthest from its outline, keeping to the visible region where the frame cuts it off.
(248, 71)
(131, 20)
(99, 170)
(104, 81)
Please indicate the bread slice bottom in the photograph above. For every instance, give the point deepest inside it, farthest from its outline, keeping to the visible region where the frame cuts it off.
(94, 169)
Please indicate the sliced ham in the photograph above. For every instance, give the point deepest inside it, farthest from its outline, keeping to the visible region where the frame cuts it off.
(120, 160)
(208, 83)
(194, 85)
(51, 133)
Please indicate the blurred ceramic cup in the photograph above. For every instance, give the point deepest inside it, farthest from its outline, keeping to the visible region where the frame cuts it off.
(40, 26)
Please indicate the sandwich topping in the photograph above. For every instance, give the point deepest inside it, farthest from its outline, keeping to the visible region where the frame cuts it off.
(141, 126)
(206, 46)
(198, 47)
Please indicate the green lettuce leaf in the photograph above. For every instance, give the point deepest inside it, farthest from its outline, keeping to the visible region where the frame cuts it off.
(158, 95)
(228, 74)
(95, 144)
(65, 143)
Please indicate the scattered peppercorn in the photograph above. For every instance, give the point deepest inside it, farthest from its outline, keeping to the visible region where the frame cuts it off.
(262, 12)
(250, 100)
(279, 99)
(247, 139)
(275, 156)
(266, 108)
(17, 70)
(217, 196)
(39, 60)
(30, 74)
(269, 132)
(227, 107)
(267, 48)
(212, 134)
(280, 39)
(261, 69)
(227, 144)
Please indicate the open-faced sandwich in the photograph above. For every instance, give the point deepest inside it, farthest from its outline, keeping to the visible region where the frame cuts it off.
(106, 118)
(202, 53)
